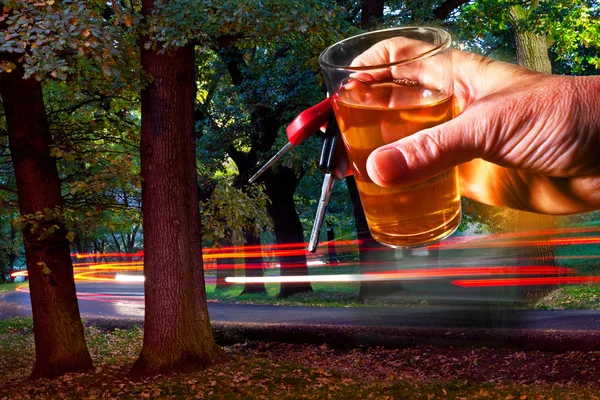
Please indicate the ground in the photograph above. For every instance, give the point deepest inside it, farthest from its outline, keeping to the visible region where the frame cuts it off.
(268, 370)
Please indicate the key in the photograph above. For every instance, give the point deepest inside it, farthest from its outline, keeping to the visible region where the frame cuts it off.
(302, 127)
(334, 163)
(326, 190)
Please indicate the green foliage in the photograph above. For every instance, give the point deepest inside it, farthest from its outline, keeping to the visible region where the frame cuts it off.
(571, 27)
(254, 76)
(48, 37)
(248, 23)
(577, 36)
(42, 224)
(339, 212)
(89, 51)
(230, 212)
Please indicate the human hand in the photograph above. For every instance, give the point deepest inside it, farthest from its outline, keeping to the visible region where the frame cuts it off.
(524, 140)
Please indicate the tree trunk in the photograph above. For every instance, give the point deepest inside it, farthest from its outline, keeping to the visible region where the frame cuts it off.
(58, 331)
(373, 256)
(532, 52)
(177, 332)
(253, 266)
(287, 226)
(535, 255)
(225, 267)
(371, 14)
(331, 251)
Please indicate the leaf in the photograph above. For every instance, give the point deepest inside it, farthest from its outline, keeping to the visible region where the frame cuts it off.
(45, 270)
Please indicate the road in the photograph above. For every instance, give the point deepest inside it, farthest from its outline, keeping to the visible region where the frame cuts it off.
(126, 300)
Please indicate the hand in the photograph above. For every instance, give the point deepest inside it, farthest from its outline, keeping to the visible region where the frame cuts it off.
(524, 140)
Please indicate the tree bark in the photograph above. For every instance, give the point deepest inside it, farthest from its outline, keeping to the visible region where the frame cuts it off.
(535, 255)
(177, 332)
(253, 266)
(287, 226)
(532, 52)
(58, 331)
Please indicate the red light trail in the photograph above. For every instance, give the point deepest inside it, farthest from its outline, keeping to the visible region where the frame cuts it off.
(110, 271)
(539, 281)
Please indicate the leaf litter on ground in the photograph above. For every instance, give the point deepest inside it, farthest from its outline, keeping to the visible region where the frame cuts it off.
(267, 370)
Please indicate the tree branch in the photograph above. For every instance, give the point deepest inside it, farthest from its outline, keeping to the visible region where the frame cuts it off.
(447, 7)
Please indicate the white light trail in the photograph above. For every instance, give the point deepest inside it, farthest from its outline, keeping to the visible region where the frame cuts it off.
(129, 278)
(319, 278)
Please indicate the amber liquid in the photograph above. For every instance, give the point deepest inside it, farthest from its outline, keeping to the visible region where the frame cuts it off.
(370, 116)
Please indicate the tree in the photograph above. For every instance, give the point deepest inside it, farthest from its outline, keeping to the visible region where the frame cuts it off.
(280, 183)
(233, 216)
(177, 332)
(38, 44)
(371, 13)
(534, 26)
(531, 50)
(253, 265)
(58, 330)
(268, 60)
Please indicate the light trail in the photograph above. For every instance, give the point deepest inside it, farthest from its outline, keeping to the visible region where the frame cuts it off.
(539, 281)
(129, 278)
(99, 255)
(412, 266)
(485, 243)
(406, 275)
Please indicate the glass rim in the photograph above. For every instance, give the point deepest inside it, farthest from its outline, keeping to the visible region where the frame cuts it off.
(446, 42)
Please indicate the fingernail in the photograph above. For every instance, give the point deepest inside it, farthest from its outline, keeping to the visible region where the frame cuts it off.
(389, 164)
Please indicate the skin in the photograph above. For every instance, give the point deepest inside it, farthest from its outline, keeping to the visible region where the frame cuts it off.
(522, 139)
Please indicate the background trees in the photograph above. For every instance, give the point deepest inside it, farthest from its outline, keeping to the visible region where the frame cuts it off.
(245, 69)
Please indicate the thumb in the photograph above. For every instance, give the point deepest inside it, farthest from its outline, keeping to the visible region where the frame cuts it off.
(429, 152)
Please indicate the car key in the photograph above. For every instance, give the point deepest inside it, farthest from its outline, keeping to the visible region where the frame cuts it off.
(303, 126)
(333, 162)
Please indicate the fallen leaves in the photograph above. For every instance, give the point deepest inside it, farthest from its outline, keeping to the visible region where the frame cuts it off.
(259, 370)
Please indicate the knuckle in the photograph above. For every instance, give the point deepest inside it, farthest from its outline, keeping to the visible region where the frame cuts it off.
(430, 147)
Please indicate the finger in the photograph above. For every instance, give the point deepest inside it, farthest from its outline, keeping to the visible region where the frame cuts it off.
(429, 152)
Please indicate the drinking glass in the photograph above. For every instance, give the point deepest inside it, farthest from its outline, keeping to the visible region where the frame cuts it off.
(384, 86)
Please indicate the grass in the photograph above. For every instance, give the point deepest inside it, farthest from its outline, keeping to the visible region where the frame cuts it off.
(323, 295)
(581, 297)
(9, 287)
(260, 371)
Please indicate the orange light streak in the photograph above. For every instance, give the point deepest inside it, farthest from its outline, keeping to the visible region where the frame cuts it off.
(253, 254)
(98, 255)
(103, 271)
